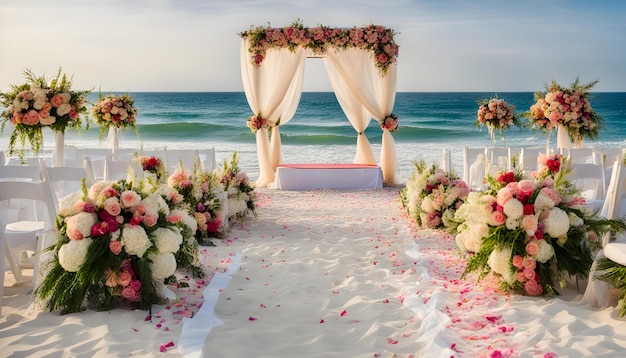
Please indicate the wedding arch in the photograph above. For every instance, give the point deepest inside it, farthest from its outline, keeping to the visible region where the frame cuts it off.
(361, 65)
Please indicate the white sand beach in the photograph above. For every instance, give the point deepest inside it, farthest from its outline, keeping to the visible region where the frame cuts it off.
(324, 274)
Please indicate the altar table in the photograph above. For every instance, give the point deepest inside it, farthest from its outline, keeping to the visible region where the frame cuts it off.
(327, 176)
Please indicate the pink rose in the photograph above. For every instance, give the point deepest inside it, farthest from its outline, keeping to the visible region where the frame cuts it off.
(74, 234)
(56, 100)
(124, 278)
(521, 277)
(115, 247)
(31, 118)
(529, 274)
(130, 294)
(529, 263)
(173, 219)
(526, 186)
(129, 199)
(552, 195)
(533, 288)
(504, 195)
(517, 262)
(111, 280)
(150, 220)
(532, 248)
(109, 192)
(136, 285)
(529, 224)
(497, 218)
(112, 206)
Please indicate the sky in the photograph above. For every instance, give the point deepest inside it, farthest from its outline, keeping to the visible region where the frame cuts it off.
(193, 45)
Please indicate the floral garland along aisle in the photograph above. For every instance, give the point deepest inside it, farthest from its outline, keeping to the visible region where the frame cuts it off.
(527, 234)
(119, 242)
(40, 103)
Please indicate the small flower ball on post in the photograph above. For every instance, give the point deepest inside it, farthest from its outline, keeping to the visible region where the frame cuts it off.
(390, 122)
(496, 114)
(257, 122)
(114, 111)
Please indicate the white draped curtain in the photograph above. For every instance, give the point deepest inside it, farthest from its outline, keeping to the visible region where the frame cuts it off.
(358, 116)
(375, 91)
(271, 91)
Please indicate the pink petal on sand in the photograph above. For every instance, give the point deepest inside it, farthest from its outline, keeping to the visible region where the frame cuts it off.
(251, 318)
(343, 313)
(321, 320)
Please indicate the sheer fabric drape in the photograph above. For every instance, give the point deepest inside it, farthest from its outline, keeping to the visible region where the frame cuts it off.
(358, 116)
(271, 93)
(375, 92)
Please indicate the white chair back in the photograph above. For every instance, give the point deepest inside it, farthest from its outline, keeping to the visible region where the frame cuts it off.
(119, 169)
(65, 180)
(590, 179)
(2, 159)
(207, 156)
(10, 190)
(446, 160)
(176, 158)
(474, 166)
(528, 158)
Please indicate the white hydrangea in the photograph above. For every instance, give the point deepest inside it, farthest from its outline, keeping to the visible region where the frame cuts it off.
(135, 240)
(452, 194)
(514, 209)
(80, 223)
(546, 251)
(72, 255)
(512, 224)
(167, 240)
(66, 204)
(543, 202)
(447, 218)
(236, 206)
(162, 266)
(556, 223)
(155, 204)
(427, 204)
(94, 192)
(500, 262)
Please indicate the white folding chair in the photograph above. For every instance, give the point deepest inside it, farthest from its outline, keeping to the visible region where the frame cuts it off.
(590, 179)
(446, 160)
(186, 158)
(474, 166)
(2, 159)
(598, 293)
(118, 169)
(207, 156)
(581, 155)
(65, 180)
(37, 191)
(528, 158)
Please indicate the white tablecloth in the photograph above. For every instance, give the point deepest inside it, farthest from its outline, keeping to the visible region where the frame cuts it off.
(327, 176)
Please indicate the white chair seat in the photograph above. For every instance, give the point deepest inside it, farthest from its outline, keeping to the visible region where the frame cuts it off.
(616, 252)
(22, 226)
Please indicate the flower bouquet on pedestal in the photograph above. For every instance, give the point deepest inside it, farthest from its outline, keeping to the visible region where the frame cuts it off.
(116, 245)
(432, 196)
(241, 195)
(566, 108)
(37, 104)
(527, 235)
(496, 114)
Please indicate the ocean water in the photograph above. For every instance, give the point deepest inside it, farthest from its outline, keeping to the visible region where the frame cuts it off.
(320, 133)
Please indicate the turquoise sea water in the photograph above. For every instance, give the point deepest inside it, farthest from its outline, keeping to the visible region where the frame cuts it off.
(319, 131)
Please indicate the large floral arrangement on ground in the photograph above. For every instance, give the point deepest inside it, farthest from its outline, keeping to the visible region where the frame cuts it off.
(114, 111)
(377, 39)
(432, 196)
(241, 195)
(116, 245)
(527, 234)
(496, 114)
(41, 103)
(200, 194)
(568, 107)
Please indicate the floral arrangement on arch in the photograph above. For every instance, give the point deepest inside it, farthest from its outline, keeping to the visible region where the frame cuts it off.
(256, 122)
(377, 39)
(527, 234)
(496, 114)
(39, 103)
(432, 196)
(200, 194)
(390, 122)
(114, 111)
(241, 195)
(116, 245)
(568, 107)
